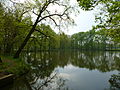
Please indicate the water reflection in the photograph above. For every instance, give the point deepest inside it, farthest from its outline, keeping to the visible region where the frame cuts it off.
(115, 82)
(53, 82)
(102, 61)
(41, 76)
(71, 70)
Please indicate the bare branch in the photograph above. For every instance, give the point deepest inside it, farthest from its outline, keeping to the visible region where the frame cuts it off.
(54, 21)
(34, 12)
(46, 4)
(47, 81)
(51, 15)
(15, 2)
(60, 4)
(42, 33)
(52, 18)
(48, 12)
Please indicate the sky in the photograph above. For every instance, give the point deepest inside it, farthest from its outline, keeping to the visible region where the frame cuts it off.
(84, 21)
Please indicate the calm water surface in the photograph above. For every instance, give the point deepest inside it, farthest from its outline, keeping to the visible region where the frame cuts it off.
(70, 70)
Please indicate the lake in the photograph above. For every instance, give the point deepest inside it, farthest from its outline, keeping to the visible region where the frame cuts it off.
(70, 70)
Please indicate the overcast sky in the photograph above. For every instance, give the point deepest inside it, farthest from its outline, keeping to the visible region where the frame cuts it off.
(84, 21)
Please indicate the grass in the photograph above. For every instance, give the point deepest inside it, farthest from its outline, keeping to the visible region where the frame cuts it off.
(15, 66)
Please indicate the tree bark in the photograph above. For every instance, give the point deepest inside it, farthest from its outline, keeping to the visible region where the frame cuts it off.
(23, 44)
(26, 40)
(28, 36)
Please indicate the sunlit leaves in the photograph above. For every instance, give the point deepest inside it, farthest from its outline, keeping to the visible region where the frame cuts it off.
(110, 19)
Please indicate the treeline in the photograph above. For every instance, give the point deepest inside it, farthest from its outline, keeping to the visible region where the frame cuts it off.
(94, 40)
(105, 35)
(14, 27)
(16, 23)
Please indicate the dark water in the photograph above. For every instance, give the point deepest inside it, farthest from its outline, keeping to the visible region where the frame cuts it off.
(70, 70)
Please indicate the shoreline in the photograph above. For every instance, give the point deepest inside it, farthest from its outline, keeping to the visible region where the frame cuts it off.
(10, 69)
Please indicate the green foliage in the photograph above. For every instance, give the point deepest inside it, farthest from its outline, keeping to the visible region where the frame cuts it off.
(65, 41)
(13, 29)
(47, 39)
(87, 4)
(15, 66)
(16, 22)
(20, 69)
(110, 21)
(109, 16)
(90, 4)
(93, 40)
(15, 26)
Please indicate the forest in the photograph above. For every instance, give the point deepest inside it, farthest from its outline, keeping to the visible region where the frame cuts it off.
(16, 24)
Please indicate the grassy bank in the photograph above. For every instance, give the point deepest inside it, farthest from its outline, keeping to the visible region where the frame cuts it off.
(14, 66)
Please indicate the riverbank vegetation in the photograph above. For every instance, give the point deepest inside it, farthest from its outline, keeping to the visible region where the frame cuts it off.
(28, 27)
(12, 66)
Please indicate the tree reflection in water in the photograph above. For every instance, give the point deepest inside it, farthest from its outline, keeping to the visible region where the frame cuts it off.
(53, 82)
(42, 75)
(115, 82)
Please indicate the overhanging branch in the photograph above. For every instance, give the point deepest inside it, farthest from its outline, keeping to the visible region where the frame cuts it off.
(42, 33)
(51, 15)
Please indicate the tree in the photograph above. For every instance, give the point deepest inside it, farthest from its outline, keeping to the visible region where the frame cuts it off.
(90, 4)
(43, 38)
(64, 41)
(109, 18)
(13, 27)
(40, 9)
(114, 20)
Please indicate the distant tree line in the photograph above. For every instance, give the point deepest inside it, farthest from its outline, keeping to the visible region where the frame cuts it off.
(18, 32)
(93, 40)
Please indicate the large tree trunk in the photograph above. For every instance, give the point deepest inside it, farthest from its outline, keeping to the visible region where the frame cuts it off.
(23, 44)
(27, 37)
(25, 41)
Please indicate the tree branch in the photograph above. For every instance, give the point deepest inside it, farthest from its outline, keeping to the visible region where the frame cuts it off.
(42, 33)
(34, 12)
(51, 15)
